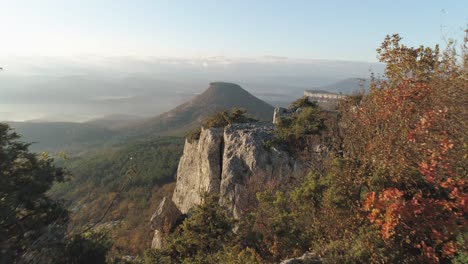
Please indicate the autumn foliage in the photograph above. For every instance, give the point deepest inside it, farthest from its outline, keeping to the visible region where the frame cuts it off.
(409, 140)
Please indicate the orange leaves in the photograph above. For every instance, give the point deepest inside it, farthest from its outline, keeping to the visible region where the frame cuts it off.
(428, 170)
(392, 194)
(421, 218)
(449, 249)
(408, 138)
(392, 218)
(446, 145)
(369, 201)
(384, 210)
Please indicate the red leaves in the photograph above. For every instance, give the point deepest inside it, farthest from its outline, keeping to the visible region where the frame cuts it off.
(428, 170)
(437, 210)
(429, 220)
(408, 137)
(449, 249)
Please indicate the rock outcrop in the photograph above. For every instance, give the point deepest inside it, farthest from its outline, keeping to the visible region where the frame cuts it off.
(233, 162)
(162, 221)
(248, 165)
(281, 112)
(199, 169)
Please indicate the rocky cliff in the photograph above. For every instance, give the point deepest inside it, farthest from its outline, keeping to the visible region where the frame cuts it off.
(233, 162)
(199, 169)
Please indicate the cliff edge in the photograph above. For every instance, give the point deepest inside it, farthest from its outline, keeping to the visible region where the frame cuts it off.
(232, 162)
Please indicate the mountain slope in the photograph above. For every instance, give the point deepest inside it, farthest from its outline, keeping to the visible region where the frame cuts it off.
(114, 121)
(218, 96)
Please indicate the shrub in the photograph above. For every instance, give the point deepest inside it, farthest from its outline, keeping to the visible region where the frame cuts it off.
(307, 120)
(221, 119)
(199, 238)
(91, 247)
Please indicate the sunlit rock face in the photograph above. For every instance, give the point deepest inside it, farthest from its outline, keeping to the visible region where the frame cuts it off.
(228, 162)
(232, 162)
(162, 221)
(199, 169)
(249, 165)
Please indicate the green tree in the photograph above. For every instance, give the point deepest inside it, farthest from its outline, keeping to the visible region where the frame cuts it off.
(200, 238)
(29, 219)
(307, 119)
(88, 248)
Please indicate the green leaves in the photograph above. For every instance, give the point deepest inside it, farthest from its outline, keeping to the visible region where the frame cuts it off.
(25, 209)
(204, 234)
(221, 119)
(306, 120)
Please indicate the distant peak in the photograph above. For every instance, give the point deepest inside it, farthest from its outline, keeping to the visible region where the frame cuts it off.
(224, 85)
(225, 89)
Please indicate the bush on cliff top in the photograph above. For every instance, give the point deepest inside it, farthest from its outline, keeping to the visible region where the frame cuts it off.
(307, 119)
(221, 119)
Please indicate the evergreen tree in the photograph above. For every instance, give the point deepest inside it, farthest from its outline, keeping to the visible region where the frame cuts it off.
(30, 221)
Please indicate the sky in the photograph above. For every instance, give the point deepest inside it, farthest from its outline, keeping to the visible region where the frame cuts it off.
(329, 30)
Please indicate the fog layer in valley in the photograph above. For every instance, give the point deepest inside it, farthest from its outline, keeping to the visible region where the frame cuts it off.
(80, 89)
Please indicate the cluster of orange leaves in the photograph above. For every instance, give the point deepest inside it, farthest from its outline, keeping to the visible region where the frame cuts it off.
(425, 218)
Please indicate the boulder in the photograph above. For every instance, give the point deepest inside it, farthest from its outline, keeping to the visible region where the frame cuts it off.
(163, 220)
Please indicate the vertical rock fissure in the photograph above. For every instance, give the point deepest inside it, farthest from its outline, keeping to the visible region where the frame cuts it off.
(221, 158)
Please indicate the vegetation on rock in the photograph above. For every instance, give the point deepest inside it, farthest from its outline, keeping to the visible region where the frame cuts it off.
(206, 236)
(221, 119)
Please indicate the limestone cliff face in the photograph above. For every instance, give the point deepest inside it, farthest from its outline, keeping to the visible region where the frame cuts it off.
(248, 165)
(233, 162)
(229, 162)
(199, 169)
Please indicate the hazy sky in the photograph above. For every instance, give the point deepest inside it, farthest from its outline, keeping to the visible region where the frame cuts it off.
(343, 30)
